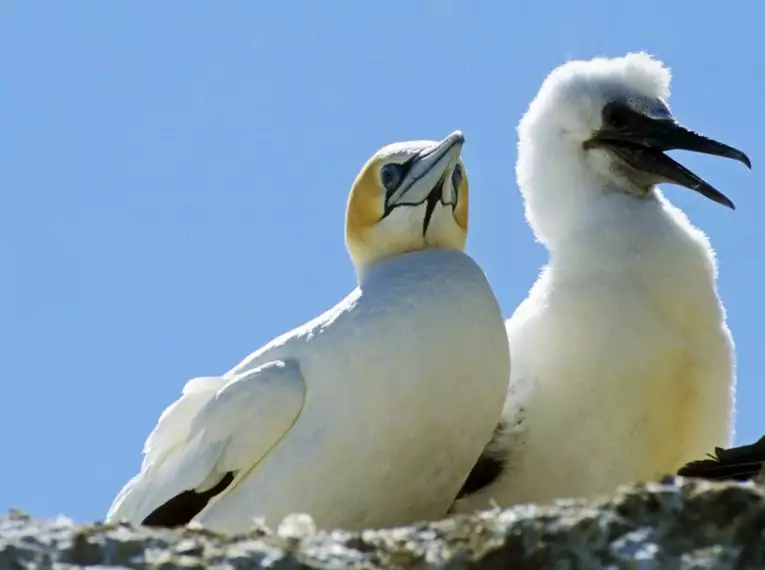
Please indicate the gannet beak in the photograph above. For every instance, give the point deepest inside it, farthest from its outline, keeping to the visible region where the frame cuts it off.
(426, 173)
(640, 141)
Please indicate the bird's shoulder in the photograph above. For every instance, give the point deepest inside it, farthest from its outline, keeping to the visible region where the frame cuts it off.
(217, 406)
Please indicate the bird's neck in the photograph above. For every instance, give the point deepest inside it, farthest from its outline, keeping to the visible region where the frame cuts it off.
(612, 218)
(402, 262)
(573, 196)
(636, 237)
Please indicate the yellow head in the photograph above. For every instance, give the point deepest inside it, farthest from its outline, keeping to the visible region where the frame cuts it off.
(409, 196)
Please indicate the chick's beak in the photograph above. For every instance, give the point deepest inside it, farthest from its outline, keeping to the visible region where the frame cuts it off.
(642, 141)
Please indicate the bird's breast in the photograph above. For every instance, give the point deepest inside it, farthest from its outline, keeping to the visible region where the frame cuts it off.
(420, 314)
(405, 381)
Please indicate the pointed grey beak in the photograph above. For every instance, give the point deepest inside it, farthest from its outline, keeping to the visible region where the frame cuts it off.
(640, 141)
(426, 171)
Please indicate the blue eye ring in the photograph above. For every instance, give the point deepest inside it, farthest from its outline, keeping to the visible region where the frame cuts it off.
(458, 176)
(390, 176)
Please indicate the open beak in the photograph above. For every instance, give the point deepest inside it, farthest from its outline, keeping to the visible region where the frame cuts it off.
(641, 144)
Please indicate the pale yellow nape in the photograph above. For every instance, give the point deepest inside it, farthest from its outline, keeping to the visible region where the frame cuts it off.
(366, 202)
(369, 237)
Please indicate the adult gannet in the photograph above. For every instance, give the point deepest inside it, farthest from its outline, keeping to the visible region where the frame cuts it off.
(623, 365)
(373, 413)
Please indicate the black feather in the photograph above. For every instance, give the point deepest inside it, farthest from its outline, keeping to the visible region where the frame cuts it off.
(735, 464)
(179, 510)
(487, 469)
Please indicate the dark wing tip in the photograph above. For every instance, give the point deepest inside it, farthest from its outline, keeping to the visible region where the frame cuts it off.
(181, 509)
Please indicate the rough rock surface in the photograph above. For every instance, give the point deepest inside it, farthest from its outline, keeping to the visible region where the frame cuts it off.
(675, 524)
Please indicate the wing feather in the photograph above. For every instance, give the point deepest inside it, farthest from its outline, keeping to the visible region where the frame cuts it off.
(218, 426)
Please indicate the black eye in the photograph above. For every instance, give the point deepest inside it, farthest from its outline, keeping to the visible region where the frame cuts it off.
(457, 176)
(616, 115)
(390, 176)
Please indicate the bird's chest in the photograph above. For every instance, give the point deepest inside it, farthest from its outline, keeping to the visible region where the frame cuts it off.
(405, 395)
(417, 320)
(637, 356)
(406, 344)
(641, 296)
(630, 329)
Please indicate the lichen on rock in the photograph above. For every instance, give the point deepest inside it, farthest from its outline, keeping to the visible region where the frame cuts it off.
(675, 524)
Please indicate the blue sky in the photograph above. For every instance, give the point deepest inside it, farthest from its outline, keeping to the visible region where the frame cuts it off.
(173, 179)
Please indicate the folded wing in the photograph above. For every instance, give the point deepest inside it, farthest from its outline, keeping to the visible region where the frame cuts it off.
(218, 429)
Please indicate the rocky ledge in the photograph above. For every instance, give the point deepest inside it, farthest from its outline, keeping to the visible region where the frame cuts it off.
(674, 524)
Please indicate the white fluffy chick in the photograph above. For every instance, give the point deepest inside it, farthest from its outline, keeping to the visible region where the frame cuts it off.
(623, 366)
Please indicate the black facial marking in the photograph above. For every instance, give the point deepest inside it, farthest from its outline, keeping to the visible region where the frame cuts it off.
(457, 177)
(618, 115)
(390, 176)
(430, 205)
(403, 170)
(179, 510)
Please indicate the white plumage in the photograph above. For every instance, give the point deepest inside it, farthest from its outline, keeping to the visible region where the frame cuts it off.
(623, 366)
(359, 417)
